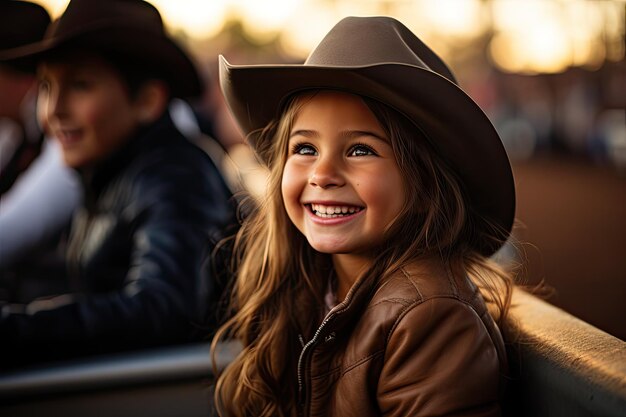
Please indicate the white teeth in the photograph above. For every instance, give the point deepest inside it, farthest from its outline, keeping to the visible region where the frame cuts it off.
(333, 211)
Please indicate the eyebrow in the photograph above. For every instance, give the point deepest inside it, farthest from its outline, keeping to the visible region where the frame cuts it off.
(348, 134)
(303, 132)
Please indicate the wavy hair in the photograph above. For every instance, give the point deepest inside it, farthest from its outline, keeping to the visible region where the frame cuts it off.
(279, 274)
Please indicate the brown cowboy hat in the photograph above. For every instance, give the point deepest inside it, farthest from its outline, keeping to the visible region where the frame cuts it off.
(380, 58)
(21, 23)
(130, 28)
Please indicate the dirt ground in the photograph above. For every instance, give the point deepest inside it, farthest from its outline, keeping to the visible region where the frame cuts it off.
(572, 218)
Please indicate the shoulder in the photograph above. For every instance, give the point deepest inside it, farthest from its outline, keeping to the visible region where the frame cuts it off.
(428, 280)
(171, 151)
(407, 312)
(440, 354)
(424, 295)
(173, 177)
(172, 163)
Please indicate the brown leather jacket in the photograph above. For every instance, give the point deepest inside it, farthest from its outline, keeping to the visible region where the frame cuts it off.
(420, 344)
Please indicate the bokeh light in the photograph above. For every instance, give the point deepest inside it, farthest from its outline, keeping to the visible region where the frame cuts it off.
(527, 37)
(197, 18)
(537, 36)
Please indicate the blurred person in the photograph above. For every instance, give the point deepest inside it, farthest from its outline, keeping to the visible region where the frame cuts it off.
(154, 202)
(38, 193)
(20, 136)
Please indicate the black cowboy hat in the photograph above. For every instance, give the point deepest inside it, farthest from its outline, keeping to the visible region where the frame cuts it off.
(128, 28)
(21, 23)
(378, 57)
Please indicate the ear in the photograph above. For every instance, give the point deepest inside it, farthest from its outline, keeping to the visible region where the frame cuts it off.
(151, 101)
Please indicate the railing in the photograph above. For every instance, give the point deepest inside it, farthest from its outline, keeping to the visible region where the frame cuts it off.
(561, 367)
(173, 381)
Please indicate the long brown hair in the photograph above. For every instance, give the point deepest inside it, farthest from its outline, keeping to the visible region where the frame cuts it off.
(279, 274)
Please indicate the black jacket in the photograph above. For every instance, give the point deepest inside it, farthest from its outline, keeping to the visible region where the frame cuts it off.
(152, 213)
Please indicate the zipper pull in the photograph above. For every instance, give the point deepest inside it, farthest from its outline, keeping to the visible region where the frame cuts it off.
(330, 337)
(301, 339)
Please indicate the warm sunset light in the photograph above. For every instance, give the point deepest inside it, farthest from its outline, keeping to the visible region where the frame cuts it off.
(549, 36)
(463, 19)
(531, 36)
(267, 17)
(300, 38)
(197, 18)
(55, 7)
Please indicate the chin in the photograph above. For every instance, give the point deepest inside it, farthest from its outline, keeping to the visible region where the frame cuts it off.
(329, 247)
(74, 161)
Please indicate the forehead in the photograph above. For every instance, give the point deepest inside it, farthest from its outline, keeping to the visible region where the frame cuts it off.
(329, 105)
(72, 62)
(325, 97)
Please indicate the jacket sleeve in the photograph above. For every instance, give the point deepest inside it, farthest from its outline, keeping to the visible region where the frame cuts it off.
(174, 208)
(439, 361)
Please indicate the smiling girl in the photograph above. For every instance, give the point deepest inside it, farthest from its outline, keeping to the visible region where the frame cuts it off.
(357, 290)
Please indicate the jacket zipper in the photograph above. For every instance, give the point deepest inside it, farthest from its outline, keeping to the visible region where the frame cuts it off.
(74, 250)
(306, 346)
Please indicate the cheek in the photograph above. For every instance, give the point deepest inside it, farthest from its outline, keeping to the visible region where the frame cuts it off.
(288, 185)
(291, 189)
(97, 114)
(386, 192)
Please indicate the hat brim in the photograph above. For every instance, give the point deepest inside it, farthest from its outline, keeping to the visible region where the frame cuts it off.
(453, 123)
(159, 51)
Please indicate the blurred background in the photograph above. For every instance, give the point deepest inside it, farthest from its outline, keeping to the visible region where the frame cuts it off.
(551, 75)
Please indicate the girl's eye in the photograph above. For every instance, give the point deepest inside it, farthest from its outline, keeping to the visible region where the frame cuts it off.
(361, 150)
(303, 149)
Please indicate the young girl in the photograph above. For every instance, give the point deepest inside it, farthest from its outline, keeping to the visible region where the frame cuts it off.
(389, 189)
(153, 199)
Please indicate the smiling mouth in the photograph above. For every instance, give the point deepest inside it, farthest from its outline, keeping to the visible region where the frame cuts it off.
(68, 136)
(328, 212)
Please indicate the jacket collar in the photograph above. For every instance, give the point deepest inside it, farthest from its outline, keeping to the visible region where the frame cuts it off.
(345, 313)
(96, 178)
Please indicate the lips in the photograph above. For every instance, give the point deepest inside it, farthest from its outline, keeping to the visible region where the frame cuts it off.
(333, 211)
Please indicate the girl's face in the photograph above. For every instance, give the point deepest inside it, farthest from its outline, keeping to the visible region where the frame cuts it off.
(341, 185)
(85, 105)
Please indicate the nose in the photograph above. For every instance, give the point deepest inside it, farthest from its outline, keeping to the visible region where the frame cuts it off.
(326, 173)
